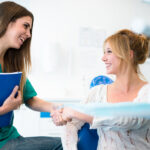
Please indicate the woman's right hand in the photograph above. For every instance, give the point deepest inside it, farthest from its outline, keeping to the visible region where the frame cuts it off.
(12, 102)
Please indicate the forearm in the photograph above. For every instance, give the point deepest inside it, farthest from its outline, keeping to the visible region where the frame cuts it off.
(82, 116)
(38, 104)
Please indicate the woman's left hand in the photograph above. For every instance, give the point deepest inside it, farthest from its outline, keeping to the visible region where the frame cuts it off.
(67, 114)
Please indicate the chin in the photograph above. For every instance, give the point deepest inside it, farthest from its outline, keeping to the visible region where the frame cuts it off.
(109, 72)
(17, 46)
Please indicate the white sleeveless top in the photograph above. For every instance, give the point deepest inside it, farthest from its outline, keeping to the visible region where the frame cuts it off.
(121, 133)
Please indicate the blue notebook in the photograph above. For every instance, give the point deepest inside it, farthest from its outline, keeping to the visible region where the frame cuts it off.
(7, 83)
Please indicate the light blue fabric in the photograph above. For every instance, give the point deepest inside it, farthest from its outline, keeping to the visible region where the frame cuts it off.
(114, 109)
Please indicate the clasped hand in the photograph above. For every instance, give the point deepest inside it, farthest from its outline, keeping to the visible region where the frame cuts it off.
(62, 116)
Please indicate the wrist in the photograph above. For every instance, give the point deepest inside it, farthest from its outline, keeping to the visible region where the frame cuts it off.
(51, 107)
(73, 114)
(55, 106)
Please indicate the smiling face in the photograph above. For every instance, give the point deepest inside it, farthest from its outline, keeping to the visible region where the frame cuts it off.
(111, 61)
(18, 32)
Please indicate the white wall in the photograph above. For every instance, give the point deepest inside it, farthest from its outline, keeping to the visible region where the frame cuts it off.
(58, 32)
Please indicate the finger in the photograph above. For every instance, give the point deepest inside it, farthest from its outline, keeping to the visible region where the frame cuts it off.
(61, 123)
(64, 122)
(64, 117)
(19, 94)
(54, 113)
(61, 110)
(60, 117)
(58, 120)
(19, 98)
(69, 120)
(53, 118)
(14, 91)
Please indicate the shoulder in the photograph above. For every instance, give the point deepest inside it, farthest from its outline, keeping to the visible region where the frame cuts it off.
(96, 93)
(98, 89)
(28, 91)
(145, 88)
(144, 93)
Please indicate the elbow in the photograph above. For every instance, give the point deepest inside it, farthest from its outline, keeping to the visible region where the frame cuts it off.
(29, 103)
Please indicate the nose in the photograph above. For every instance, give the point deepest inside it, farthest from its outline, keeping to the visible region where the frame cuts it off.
(28, 33)
(104, 57)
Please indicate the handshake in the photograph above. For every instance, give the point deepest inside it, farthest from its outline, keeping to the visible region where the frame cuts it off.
(61, 115)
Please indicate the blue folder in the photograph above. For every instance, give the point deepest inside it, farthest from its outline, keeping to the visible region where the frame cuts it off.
(7, 83)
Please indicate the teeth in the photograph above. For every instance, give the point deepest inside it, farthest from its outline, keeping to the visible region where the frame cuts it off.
(107, 65)
(22, 39)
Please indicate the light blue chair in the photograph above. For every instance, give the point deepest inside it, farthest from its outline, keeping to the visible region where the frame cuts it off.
(88, 138)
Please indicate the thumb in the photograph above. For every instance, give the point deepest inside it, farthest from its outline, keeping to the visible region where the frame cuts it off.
(61, 110)
(14, 91)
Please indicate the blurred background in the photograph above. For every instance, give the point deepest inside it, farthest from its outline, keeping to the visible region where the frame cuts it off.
(67, 40)
(67, 45)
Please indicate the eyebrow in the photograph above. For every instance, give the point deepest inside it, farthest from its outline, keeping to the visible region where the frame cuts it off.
(28, 24)
(107, 49)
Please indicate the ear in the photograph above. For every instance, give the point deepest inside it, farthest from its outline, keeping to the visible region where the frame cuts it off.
(131, 54)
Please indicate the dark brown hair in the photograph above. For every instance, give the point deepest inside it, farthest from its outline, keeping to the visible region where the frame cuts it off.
(15, 60)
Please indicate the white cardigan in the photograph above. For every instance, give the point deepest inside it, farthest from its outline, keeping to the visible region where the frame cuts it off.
(121, 133)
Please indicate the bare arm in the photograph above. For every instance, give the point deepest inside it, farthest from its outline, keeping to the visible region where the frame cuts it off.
(38, 104)
(71, 113)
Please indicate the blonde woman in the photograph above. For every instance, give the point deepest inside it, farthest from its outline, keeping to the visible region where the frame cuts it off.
(123, 52)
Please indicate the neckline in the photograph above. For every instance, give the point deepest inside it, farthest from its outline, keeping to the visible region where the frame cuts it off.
(141, 89)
